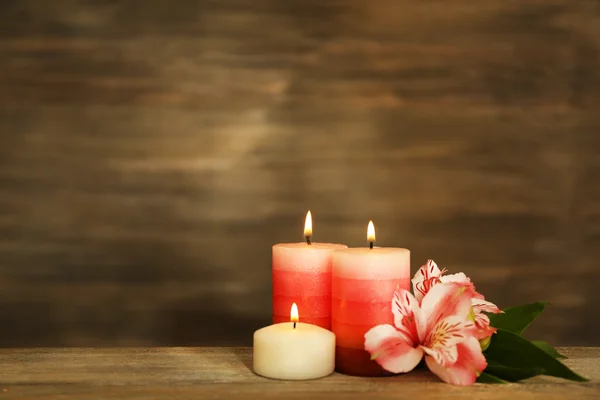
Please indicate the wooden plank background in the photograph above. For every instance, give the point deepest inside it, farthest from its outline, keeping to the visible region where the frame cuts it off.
(151, 152)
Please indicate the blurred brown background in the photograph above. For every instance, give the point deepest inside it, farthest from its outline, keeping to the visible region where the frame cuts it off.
(152, 151)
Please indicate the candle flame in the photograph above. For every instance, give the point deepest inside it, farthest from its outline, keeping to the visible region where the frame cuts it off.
(371, 232)
(294, 313)
(308, 224)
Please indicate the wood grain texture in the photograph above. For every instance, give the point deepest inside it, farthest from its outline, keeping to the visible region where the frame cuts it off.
(151, 152)
(193, 373)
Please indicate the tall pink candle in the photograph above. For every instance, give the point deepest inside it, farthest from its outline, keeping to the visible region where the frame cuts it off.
(363, 284)
(302, 275)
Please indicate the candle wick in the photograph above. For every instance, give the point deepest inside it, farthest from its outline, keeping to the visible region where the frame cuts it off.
(294, 324)
(370, 245)
(308, 239)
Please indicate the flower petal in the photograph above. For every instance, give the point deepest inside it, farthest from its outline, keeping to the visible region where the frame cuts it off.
(390, 349)
(449, 332)
(444, 300)
(441, 342)
(407, 316)
(459, 277)
(469, 365)
(480, 305)
(482, 322)
(482, 326)
(427, 276)
(442, 356)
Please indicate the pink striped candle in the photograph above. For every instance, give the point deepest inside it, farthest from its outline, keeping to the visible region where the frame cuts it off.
(363, 284)
(302, 275)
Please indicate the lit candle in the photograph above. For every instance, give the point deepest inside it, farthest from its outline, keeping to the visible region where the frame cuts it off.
(302, 274)
(294, 350)
(363, 284)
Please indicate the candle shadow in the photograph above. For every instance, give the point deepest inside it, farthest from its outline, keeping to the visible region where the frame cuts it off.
(244, 354)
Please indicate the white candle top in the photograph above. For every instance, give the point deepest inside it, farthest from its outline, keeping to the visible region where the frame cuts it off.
(314, 246)
(375, 263)
(304, 257)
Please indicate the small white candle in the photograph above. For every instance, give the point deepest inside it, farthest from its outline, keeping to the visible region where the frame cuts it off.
(294, 350)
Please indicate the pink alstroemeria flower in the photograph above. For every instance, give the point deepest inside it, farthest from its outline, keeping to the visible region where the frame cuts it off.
(437, 328)
(429, 275)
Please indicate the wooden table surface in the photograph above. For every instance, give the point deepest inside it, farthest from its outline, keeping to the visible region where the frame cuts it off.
(226, 373)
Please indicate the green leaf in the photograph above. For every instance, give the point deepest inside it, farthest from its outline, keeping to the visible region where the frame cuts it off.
(547, 347)
(511, 374)
(513, 351)
(517, 319)
(489, 378)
